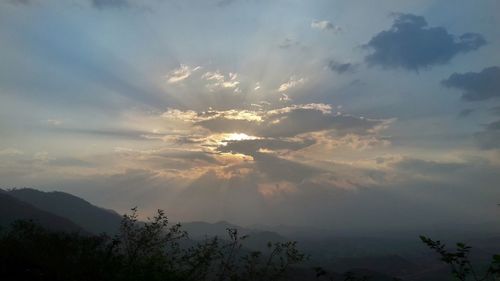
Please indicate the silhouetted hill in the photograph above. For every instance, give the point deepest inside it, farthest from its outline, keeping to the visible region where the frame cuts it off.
(378, 257)
(90, 217)
(199, 230)
(12, 209)
(256, 240)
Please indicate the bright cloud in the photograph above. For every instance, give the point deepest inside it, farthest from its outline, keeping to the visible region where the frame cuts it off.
(181, 73)
(216, 80)
(325, 25)
(291, 83)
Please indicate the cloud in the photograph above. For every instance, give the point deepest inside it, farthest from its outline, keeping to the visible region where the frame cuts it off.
(325, 25)
(490, 136)
(411, 45)
(112, 133)
(104, 4)
(282, 133)
(341, 68)
(291, 83)
(70, 162)
(53, 122)
(495, 110)
(10, 152)
(288, 43)
(42, 156)
(219, 81)
(285, 98)
(223, 124)
(465, 112)
(427, 167)
(476, 86)
(259, 146)
(297, 120)
(181, 73)
(168, 158)
(210, 88)
(281, 122)
(279, 169)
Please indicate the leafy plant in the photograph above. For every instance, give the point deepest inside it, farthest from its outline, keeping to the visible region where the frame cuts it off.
(151, 250)
(460, 263)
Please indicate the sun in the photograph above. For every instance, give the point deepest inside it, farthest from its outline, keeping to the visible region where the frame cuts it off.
(238, 137)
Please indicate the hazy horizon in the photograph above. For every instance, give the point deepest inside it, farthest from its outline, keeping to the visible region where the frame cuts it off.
(334, 114)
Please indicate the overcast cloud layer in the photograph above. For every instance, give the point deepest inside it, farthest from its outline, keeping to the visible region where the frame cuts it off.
(328, 113)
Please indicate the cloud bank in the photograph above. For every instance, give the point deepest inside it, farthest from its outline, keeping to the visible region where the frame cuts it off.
(476, 86)
(410, 44)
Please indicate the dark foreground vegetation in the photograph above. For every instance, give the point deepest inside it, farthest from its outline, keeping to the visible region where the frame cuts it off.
(64, 244)
(460, 262)
(153, 250)
(157, 250)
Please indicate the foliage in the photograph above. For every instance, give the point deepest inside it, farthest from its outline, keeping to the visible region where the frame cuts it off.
(460, 263)
(153, 250)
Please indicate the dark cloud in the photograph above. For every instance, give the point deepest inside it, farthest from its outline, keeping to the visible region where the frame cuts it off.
(410, 44)
(289, 122)
(70, 162)
(426, 167)
(341, 68)
(304, 120)
(465, 112)
(251, 147)
(270, 165)
(279, 169)
(222, 124)
(103, 4)
(108, 133)
(287, 43)
(495, 110)
(490, 136)
(187, 155)
(476, 86)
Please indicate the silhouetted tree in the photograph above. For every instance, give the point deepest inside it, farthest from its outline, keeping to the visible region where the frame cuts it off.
(460, 263)
(151, 250)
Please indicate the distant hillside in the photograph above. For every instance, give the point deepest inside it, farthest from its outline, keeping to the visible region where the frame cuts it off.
(257, 239)
(90, 217)
(376, 257)
(97, 220)
(199, 230)
(12, 209)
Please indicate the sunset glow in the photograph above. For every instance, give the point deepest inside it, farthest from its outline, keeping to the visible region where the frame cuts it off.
(256, 112)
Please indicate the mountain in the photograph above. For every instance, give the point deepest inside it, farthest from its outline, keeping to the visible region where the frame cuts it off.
(96, 220)
(90, 217)
(256, 240)
(200, 230)
(379, 257)
(12, 209)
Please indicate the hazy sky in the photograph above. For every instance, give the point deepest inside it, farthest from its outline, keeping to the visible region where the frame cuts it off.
(343, 114)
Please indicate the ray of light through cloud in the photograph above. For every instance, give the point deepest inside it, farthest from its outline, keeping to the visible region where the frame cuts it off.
(223, 110)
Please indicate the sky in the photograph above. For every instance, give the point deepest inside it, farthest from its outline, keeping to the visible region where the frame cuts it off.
(339, 114)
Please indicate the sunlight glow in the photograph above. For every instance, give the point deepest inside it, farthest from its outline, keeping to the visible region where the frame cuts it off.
(238, 137)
